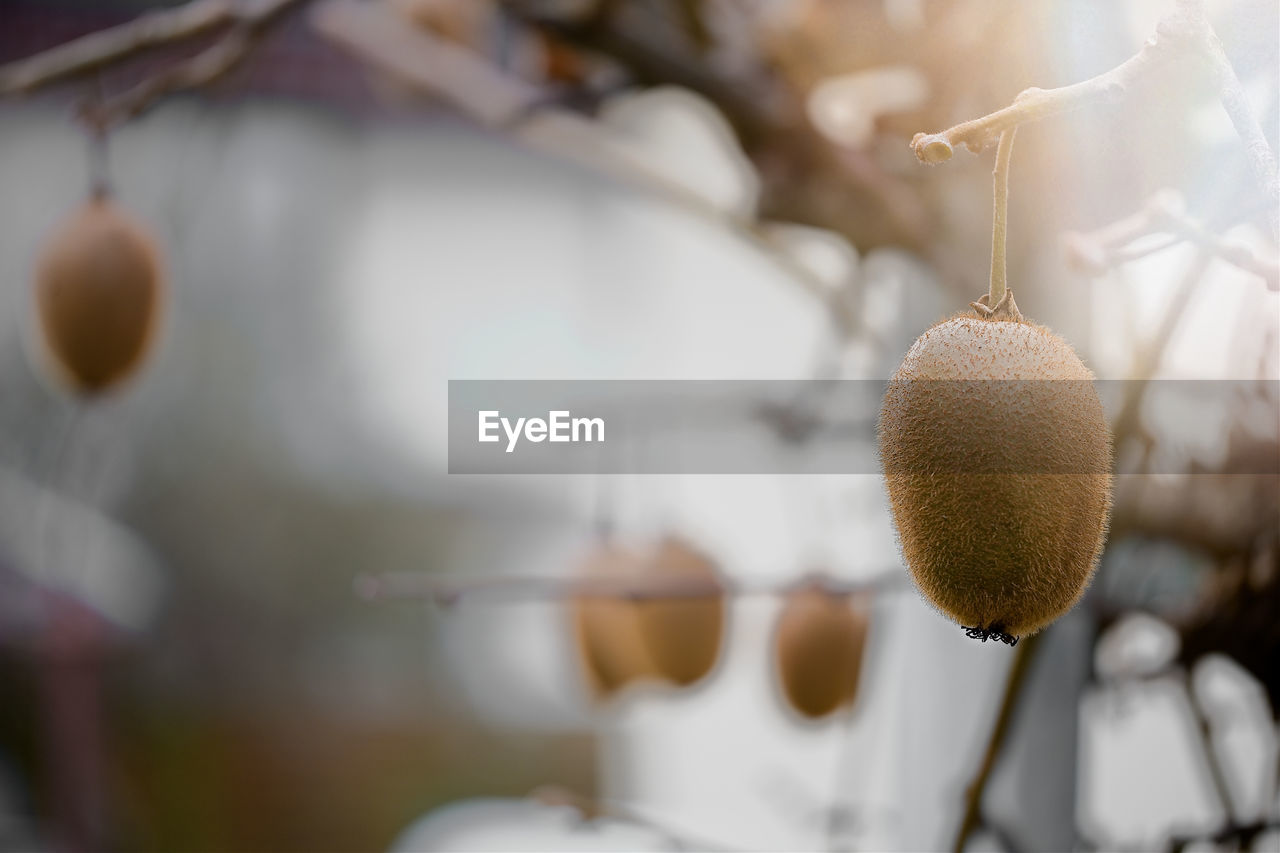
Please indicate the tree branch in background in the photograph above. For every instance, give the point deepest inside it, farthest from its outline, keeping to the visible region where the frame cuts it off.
(447, 590)
(1128, 421)
(972, 817)
(654, 64)
(96, 50)
(850, 175)
(1262, 160)
(467, 81)
(1183, 35)
(1243, 834)
(1205, 731)
(871, 202)
(1096, 252)
(249, 22)
(200, 70)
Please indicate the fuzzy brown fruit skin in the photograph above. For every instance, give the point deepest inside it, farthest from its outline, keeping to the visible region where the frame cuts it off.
(997, 460)
(99, 289)
(610, 640)
(683, 633)
(818, 647)
(674, 638)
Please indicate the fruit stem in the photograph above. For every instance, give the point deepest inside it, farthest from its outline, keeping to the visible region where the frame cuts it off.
(1000, 221)
(99, 164)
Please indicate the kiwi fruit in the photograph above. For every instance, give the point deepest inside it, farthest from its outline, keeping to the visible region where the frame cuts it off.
(607, 628)
(98, 294)
(818, 645)
(683, 632)
(638, 632)
(997, 460)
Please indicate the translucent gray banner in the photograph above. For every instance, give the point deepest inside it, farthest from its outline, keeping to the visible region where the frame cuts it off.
(829, 426)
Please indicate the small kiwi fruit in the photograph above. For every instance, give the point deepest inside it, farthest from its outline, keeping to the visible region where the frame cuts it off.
(997, 460)
(610, 638)
(683, 632)
(98, 289)
(818, 646)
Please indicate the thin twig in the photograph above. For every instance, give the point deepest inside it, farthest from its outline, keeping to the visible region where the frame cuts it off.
(1164, 213)
(1262, 160)
(1205, 730)
(1185, 33)
(1018, 670)
(1128, 420)
(201, 70)
(449, 589)
(96, 50)
(472, 85)
(1000, 218)
(1035, 103)
(1242, 833)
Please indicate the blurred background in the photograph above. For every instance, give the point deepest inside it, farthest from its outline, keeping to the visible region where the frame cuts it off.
(200, 648)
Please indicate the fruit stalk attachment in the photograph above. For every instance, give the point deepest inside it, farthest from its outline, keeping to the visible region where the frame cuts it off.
(1000, 218)
(99, 162)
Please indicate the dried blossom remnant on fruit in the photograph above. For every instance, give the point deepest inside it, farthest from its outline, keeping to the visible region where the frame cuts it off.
(985, 634)
(996, 455)
(1006, 308)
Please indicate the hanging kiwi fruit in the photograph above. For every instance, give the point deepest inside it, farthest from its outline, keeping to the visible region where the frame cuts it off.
(607, 627)
(98, 295)
(683, 632)
(818, 648)
(665, 622)
(997, 459)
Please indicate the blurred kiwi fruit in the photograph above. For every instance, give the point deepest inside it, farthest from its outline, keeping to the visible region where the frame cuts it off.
(607, 627)
(818, 647)
(683, 632)
(98, 293)
(658, 615)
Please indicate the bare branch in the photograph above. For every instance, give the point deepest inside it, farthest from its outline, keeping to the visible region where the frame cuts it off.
(1018, 670)
(1204, 728)
(468, 82)
(447, 590)
(1242, 834)
(1184, 34)
(1262, 160)
(201, 70)
(96, 50)
(1128, 421)
(1033, 104)
(765, 124)
(1165, 213)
